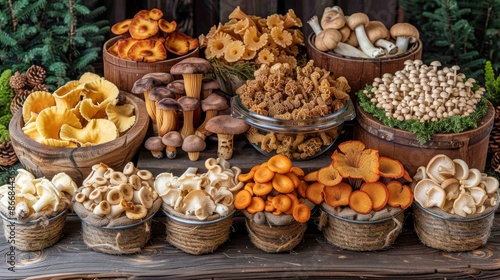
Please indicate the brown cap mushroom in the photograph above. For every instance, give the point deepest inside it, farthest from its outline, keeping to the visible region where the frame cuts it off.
(173, 140)
(208, 85)
(167, 115)
(163, 77)
(357, 22)
(403, 32)
(177, 87)
(193, 145)
(226, 127)
(192, 70)
(212, 105)
(188, 105)
(379, 36)
(144, 86)
(155, 145)
(333, 17)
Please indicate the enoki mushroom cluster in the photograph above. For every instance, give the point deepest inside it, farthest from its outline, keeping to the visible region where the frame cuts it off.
(425, 92)
(288, 93)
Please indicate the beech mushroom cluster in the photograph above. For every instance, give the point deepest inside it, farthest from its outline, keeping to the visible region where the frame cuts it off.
(35, 198)
(111, 194)
(81, 113)
(357, 36)
(148, 37)
(425, 92)
(293, 94)
(452, 186)
(200, 195)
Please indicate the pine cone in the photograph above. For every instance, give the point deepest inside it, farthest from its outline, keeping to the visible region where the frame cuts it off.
(17, 80)
(18, 100)
(495, 162)
(494, 142)
(35, 75)
(7, 154)
(40, 87)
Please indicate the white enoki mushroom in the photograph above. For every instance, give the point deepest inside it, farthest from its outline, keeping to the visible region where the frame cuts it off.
(436, 94)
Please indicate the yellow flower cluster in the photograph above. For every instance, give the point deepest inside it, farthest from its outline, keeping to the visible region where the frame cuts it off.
(252, 38)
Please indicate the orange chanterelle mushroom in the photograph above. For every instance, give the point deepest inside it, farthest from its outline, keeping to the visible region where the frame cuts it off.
(353, 161)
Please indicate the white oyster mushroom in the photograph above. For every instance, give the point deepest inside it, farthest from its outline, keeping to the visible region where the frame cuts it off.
(224, 197)
(464, 205)
(421, 191)
(164, 182)
(473, 178)
(48, 196)
(490, 184)
(436, 196)
(197, 203)
(172, 197)
(461, 169)
(452, 188)
(440, 168)
(479, 195)
(24, 177)
(222, 210)
(420, 174)
(64, 183)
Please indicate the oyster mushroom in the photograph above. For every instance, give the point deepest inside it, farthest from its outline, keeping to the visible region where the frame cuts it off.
(440, 168)
(464, 205)
(172, 140)
(452, 188)
(144, 197)
(137, 212)
(473, 178)
(461, 169)
(48, 196)
(64, 183)
(121, 115)
(421, 191)
(490, 184)
(226, 127)
(479, 195)
(197, 203)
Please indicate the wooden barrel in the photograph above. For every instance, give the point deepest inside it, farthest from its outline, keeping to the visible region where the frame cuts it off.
(123, 72)
(46, 161)
(360, 71)
(470, 145)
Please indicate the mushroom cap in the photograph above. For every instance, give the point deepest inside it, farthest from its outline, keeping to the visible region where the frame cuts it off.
(163, 77)
(214, 102)
(208, 83)
(404, 29)
(158, 93)
(225, 124)
(168, 104)
(192, 65)
(440, 167)
(177, 87)
(193, 143)
(154, 143)
(376, 30)
(172, 138)
(145, 84)
(332, 18)
(97, 131)
(357, 19)
(188, 103)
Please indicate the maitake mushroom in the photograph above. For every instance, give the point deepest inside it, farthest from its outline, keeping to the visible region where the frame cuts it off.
(454, 187)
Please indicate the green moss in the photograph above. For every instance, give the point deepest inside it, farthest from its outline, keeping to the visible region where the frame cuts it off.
(6, 95)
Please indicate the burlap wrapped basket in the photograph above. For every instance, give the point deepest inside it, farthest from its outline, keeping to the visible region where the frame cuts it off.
(117, 236)
(452, 233)
(195, 236)
(361, 235)
(35, 235)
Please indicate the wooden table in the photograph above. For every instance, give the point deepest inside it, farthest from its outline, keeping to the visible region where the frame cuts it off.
(314, 258)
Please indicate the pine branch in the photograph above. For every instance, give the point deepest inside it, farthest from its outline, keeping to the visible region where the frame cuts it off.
(13, 18)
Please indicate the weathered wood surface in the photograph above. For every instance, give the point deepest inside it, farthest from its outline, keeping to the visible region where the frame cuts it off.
(239, 259)
(314, 258)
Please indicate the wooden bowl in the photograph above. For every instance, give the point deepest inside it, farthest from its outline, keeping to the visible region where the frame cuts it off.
(46, 161)
(123, 72)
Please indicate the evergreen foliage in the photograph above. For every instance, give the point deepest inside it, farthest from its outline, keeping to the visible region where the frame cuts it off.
(458, 32)
(64, 37)
(492, 84)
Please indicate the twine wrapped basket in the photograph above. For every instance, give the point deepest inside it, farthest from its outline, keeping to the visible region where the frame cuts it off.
(117, 236)
(194, 236)
(36, 235)
(452, 233)
(357, 235)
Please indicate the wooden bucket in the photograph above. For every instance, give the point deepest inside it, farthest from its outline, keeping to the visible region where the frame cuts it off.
(123, 73)
(360, 71)
(45, 161)
(470, 145)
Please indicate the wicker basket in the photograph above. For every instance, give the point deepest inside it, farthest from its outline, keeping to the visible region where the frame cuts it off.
(275, 239)
(357, 235)
(196, 237)
(451, 234)
(34, 236)
(118, 240)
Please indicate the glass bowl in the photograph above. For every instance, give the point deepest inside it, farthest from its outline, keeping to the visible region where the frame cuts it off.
(297, 139)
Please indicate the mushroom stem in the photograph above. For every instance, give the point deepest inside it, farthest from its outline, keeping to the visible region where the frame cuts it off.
(187, 126)
(364, 43)
(225, 145)
(387, 45)
(341, 48)
(208, 115)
